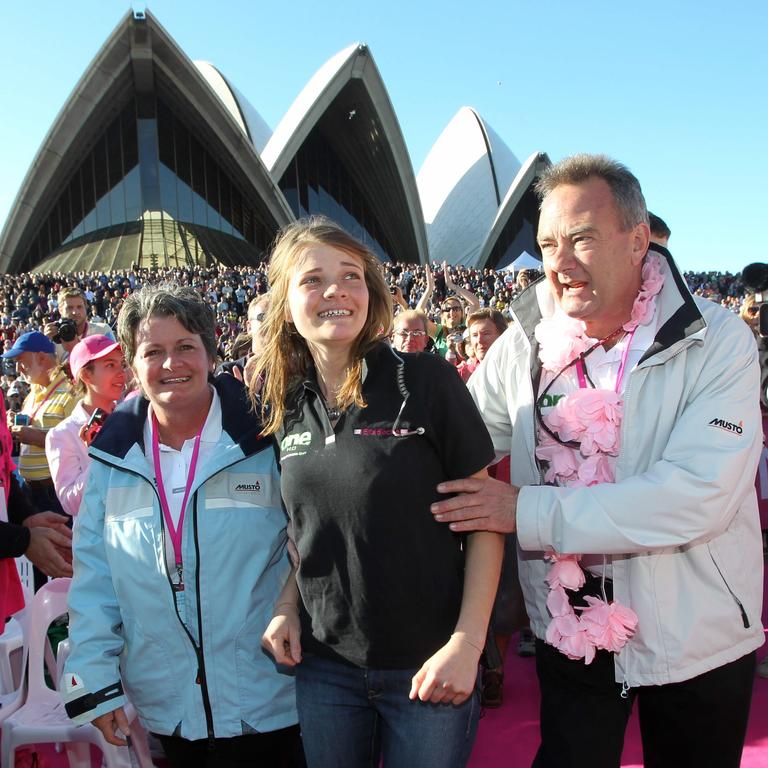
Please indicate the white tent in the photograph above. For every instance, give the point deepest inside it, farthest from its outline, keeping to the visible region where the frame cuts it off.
(523, 261)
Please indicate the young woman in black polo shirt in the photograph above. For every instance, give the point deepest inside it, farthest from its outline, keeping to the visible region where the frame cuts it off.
(387, 613)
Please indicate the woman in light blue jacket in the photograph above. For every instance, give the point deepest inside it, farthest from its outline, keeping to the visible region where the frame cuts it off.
(179, 555)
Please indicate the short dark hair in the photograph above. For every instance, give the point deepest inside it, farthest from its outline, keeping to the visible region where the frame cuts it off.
(240, 346)
(658, 226)
(488, 314)
(166, 300)
(577, 169)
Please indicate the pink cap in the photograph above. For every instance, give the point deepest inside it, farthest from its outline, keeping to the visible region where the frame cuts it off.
(90, 348)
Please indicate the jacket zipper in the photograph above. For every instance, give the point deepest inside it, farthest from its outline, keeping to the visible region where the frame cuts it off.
(201, 655)
(201, 680)
(744, 617)
(532, 432)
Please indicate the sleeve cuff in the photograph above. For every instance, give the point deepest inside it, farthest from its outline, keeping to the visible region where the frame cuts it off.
(528, 535)
(86, 708)
(15, 540)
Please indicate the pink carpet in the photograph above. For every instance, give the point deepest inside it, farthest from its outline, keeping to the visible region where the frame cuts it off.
(509, 736)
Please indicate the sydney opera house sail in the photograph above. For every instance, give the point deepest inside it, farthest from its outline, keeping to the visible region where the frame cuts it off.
(462, 182)
(155, 160)
(513, 232)
(145, 165)
(339, 151)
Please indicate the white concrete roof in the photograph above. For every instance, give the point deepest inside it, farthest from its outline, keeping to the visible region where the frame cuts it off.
(243, 112)
(306, 110)
(531, 168)
(461, 184)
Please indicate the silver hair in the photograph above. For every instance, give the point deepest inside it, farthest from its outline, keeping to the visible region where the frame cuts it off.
(577, 169)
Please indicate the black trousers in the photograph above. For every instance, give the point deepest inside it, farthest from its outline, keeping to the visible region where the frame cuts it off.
(275, 749)
(699, 722)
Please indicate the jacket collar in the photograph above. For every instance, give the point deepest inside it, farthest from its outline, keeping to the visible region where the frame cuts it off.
(370, 359)
(679, 317)
(125, 426)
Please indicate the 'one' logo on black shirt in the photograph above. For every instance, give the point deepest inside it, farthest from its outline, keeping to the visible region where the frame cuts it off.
(292, 444)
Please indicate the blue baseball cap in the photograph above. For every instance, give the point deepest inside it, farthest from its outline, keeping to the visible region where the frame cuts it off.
(34, 341)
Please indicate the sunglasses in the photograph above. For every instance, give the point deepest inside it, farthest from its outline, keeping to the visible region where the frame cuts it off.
(451, 308)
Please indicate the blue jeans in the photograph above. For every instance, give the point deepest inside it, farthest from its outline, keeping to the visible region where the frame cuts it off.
(352, 717)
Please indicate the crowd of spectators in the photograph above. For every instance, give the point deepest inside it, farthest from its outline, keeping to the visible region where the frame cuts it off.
(721, 287)
(29, 301)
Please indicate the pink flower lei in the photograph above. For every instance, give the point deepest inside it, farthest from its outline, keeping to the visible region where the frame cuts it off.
(590, 420)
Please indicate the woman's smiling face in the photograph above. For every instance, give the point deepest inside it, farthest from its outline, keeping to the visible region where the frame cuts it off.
(328, 297)
(106, 376)
(171, 364)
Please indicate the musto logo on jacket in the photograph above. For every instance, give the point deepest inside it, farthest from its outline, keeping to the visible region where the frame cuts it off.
(252, 487)
(735, 429)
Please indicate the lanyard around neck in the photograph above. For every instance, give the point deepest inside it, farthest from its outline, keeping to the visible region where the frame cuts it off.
(174, 531)
(622, 366)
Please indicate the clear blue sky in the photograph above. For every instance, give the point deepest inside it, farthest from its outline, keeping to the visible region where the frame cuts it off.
(676, 90)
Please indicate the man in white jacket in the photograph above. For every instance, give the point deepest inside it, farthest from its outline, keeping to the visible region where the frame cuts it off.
(630, 411)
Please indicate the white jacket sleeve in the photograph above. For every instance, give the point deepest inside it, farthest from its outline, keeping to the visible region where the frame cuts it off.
(92, 686)
(487, 385)
(700, 479)
(68, 463)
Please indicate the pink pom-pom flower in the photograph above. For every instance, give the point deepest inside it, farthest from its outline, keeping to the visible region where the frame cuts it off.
(608, 625)
(567, 635)
(565, 572)
(561, 339)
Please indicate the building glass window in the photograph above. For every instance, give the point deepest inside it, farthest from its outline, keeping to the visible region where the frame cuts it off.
(519, 233)
(317, 182)
(152, 165)
(132, 187)
(206, 194)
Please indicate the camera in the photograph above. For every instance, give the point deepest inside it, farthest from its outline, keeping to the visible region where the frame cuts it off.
(755, 279)
(66, 331)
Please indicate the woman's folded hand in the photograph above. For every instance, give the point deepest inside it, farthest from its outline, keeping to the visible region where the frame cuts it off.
(449, 676)
(282, 638)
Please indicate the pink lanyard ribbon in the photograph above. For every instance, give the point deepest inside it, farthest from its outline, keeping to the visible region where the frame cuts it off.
(622, 366)
(174, 531)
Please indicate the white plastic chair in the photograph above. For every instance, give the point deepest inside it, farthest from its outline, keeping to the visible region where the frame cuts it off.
(12, 655)
(11, 652)
(42, 718)
(11, 700)
(62, 654)
(26, 577)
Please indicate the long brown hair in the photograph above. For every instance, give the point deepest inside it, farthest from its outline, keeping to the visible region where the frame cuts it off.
(286, 356)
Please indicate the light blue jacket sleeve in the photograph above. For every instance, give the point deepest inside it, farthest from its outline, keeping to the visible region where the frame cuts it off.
(91, 685)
